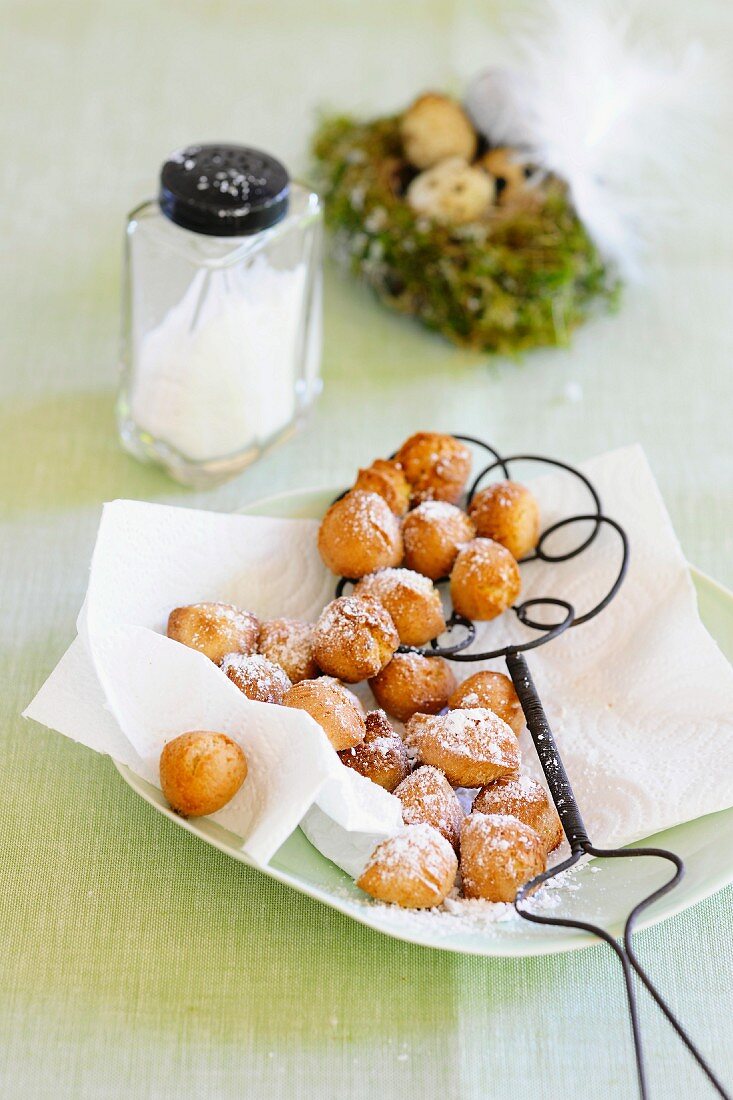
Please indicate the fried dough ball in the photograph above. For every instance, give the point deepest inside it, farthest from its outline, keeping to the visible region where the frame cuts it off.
(522, 797)
(354, 638)
(416, 868)
(256, 677)
(334, 707)
(411, 683)
(436, 465)
(381, 756)
(428, 797)
(435, 127)
(289, 643)
(499, 854)
(452, 192)
(485, 580)
(508, 513)
(492, 690)
(433, 533)
(411, 600)
(201, 771)
(509, 174)
(470, 747)
(214, 629)
(378, 725)
(359, 534)
(387, 480)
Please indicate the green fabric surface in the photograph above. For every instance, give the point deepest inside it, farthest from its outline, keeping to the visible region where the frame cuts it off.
(136, 961)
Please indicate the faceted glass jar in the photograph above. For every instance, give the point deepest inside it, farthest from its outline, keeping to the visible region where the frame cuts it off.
(221, 341)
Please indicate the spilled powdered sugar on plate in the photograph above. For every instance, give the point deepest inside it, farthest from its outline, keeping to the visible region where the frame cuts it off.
(475, 915)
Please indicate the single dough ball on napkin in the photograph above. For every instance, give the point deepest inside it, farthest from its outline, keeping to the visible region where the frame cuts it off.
(256, 677)
(415, 868)
(508, 513)
(471, 747)
(412, 601)
(492, 690)
(215, 629)
(485, 580)
(433, 533)
(289, 643)
(334, 707)
(436, 465)
(411, 683)
(381, 756)
(359, 534)
(201, 771)
(499, 854)
(354, 638)
(522, 797)
(386, 479)
(428, 798)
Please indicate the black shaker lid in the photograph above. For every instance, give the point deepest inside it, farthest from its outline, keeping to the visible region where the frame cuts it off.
(223, 190)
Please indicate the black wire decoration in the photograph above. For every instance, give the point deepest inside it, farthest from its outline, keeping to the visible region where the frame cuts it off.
(461, 634)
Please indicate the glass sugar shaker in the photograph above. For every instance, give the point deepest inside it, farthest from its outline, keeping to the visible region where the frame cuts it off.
(221, 341)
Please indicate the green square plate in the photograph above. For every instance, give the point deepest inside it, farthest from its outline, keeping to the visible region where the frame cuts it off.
(603, 893)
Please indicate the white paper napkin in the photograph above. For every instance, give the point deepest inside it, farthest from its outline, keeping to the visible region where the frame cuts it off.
(640, 698)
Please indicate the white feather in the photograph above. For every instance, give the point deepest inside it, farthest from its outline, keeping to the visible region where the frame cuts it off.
(613, 117)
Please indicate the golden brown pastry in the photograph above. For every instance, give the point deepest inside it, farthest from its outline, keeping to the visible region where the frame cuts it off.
(435, 127)
(334, 707)
(381, 756)
(386, 479)
(485, 580)
(508, 513)
(436, 465)
(511, 180)
(470, 747)
(256, 677)
(354, 638)
(378, 725)
(201, 771)
(411, 683)
(452, 192)
(415, 868)
(214, 629)
(359, 534)
(289, 643)
(433, 533)
(410, 598)
(499, 854)
(522, 797)
(492, 690)
(428, 797)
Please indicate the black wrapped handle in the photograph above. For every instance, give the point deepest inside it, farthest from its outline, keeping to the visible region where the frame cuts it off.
(544, 742)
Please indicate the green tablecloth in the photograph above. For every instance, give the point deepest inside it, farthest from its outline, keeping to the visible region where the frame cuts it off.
(137, 962)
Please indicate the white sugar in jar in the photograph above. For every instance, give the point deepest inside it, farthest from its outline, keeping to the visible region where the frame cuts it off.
(221, 313)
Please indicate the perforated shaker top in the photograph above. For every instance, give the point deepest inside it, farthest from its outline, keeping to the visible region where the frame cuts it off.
(223, 190)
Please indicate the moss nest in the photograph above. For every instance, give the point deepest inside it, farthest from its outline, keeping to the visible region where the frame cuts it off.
(523, 276)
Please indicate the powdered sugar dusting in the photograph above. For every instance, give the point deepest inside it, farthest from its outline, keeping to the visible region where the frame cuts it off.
(362, 516)
(385, 581)
(257, 677)
(289, 643)
(347, 617)
(439, 510)
(475, 733)
(426, 796)
(476, 916)
(418, 852)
